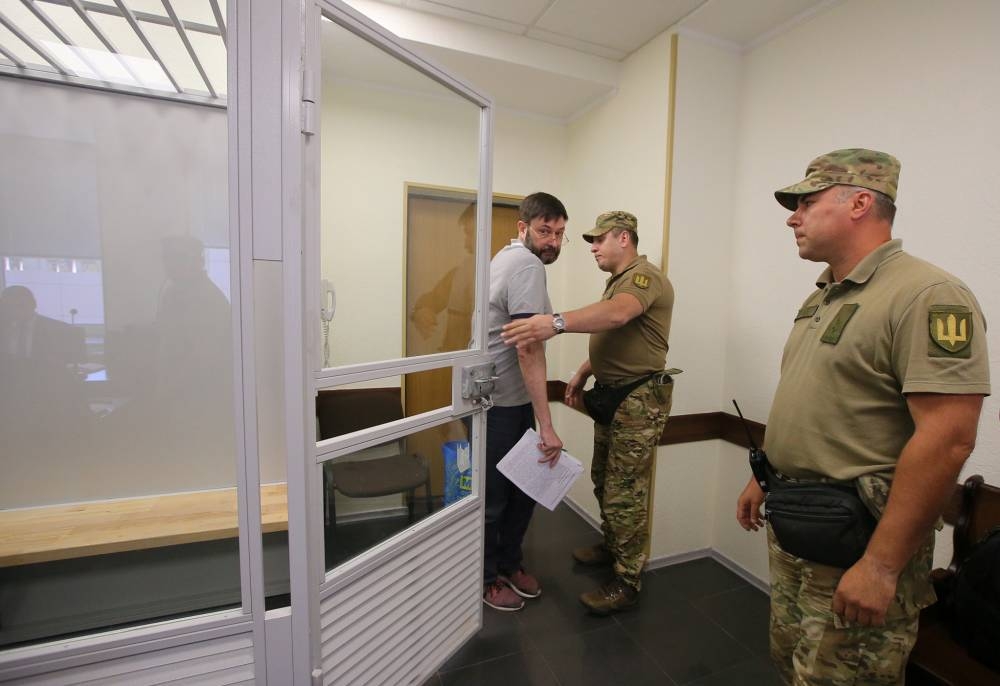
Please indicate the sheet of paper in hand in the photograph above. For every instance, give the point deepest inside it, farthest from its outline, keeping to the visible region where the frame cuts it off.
(546, 485)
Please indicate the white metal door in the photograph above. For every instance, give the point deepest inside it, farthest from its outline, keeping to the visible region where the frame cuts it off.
(392, 608)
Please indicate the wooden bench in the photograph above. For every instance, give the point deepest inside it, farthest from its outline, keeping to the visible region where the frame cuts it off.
(936, 658)
(62, 532)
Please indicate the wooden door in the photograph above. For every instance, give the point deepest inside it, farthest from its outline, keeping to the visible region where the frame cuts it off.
(440, 285)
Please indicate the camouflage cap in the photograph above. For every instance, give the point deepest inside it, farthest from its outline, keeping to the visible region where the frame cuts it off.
(618, 219)
(878, 171)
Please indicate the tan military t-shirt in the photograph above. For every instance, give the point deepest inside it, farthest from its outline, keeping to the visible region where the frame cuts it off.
(895, 325)
(639, 347)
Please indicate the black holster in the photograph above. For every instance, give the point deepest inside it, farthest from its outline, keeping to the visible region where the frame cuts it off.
(602, 401)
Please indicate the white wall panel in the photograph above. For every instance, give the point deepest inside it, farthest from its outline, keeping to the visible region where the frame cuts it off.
(226, 660)
(372, 625)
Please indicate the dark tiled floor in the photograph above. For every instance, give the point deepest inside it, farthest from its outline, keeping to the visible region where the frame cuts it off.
(697, 623)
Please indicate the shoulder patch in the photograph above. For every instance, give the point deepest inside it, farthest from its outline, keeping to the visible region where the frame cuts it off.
(640, 281)
(950, 328)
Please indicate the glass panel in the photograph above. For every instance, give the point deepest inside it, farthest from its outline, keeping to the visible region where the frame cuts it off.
(384, 125)
(375, 493)
(398, 482)
(93, 59)
(118, 457)
(71, 24)
(211, 52)
(198, 12)
(175, 56)
(355, 407)
(19, 49)
(270, 394)
(153, 7)
(28, 23)
(440, 292)
(133, 52)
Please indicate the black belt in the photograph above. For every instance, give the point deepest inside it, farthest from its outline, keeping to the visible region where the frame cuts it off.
(661, 377)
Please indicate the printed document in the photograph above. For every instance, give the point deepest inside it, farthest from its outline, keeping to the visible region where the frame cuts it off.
(546, 485)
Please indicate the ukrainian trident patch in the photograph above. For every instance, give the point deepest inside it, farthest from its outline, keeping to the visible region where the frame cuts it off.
(640, 281)
(950, 330)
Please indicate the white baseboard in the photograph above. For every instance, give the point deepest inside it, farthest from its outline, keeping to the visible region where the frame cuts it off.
(752, 579)
(586, 516)
(679, 558)
(668, 560)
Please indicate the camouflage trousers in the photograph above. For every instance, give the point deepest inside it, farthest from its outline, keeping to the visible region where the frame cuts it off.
(812, 646)
(623, 458)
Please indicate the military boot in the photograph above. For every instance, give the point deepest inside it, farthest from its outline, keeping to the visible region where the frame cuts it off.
(593, 555)
(614, 596)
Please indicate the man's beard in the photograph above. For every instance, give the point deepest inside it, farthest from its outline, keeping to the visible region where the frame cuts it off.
(547, 255)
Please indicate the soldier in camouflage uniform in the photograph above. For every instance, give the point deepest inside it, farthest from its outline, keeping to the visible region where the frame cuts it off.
(628, 348)
(882, 382)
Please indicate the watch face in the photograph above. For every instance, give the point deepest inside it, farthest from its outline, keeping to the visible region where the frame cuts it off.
(558, 323)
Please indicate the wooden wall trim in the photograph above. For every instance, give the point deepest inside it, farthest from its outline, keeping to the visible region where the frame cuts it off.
(689, 428)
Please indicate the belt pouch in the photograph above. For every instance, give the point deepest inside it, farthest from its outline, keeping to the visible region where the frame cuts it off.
(821, 522)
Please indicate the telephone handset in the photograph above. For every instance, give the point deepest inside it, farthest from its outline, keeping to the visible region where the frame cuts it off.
(327, 301)
(327, 307)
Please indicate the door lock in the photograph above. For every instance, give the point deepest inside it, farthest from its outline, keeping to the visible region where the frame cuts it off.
(478, 381)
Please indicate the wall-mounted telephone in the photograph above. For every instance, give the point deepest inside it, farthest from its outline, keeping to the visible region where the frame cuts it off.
(327, 307)
(327, 300)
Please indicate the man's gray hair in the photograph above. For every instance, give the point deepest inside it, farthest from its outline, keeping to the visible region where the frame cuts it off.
(885, 208)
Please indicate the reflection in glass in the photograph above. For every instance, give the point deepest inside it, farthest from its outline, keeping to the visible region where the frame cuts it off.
(396, 275)
(440, 293)
(375, 493)
(116, 356)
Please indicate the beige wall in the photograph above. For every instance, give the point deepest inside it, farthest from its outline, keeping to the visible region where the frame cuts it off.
(375, 141)
(923, 88)
(920, 83)
(688, 478)
(616, 159)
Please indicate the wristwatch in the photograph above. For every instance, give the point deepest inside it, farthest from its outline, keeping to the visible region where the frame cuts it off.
(558, 323)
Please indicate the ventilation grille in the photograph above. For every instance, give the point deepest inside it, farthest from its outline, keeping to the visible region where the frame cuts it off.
(227, 660)
(397, 623)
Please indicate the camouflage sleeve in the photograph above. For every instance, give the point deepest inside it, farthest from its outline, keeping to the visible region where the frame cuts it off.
(939, 344)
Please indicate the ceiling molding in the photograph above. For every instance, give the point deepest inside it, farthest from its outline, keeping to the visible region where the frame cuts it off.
(466, 16)
(708, 39)
(799, 18)
(474, 39)
(579, 44)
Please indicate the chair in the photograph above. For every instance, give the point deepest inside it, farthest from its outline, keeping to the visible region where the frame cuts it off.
(343, 411)
(937, 658)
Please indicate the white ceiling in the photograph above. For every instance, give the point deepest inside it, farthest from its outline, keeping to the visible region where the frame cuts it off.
(556, 58)
(520, 87)
(614, 30)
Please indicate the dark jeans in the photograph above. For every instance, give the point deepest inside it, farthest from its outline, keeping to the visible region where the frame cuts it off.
(508, 509)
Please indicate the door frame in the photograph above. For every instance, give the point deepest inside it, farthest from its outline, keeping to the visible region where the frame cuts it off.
(303, 373)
